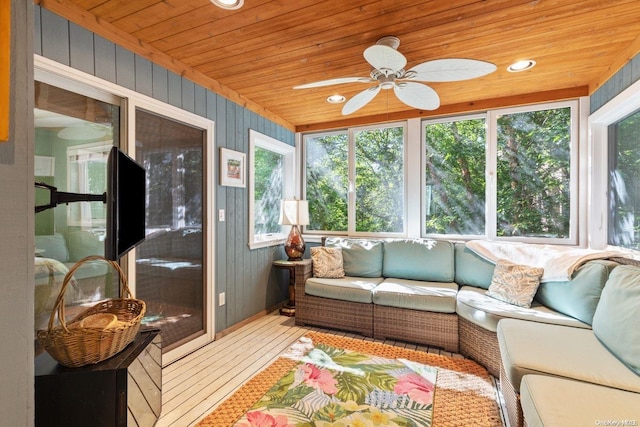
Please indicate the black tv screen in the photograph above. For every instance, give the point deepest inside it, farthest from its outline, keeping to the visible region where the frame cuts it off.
(126, 207)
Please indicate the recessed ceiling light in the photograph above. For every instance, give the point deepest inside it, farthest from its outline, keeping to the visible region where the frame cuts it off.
(228, 4)
(523, 65)
(336, 99)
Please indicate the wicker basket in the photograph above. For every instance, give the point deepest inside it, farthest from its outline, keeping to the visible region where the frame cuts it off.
(75, 345)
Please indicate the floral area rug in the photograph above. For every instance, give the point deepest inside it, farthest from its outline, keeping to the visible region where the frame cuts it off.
(330, 381)
(332, 386)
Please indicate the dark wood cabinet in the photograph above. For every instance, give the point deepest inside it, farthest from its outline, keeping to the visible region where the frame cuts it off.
(125, 390)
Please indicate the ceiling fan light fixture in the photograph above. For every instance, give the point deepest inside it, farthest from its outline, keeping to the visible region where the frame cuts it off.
(388, 72)
(336, 99)
(524, 65)
(228, 4)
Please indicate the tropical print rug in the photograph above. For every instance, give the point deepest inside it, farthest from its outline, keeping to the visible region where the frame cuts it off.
(317, 382)
(337, 387)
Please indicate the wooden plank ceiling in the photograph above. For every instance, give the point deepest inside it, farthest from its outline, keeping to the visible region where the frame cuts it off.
(256, 54)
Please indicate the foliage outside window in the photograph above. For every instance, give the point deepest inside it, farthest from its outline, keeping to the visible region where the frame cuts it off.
(174, 181)
(270, 181)
(531, 153)
(455, 163)
(355, 180)
(534, 173)
(327, 181)
(624, 186)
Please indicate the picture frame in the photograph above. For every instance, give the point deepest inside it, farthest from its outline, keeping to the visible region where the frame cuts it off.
(233, 168)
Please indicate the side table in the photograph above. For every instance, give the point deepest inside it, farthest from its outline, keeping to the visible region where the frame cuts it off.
(296, 269)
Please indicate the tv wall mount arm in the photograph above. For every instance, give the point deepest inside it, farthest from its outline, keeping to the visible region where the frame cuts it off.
(58, 197)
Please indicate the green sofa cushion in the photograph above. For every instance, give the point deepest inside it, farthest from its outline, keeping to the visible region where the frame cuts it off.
(354, 289)
(52, 246)
(438, 297)
(419, 259)
(472, 269)
(361, 257)
(82, 244)
(579, 296)
(615, 322)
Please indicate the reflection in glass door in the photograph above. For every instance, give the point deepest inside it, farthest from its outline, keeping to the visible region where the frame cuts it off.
(74, 131)
(170, 267)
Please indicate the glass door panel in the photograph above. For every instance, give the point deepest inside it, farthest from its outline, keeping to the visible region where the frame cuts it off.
(170, 273)
(73, 135)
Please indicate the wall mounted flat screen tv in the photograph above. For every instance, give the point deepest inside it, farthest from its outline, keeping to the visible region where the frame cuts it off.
(126, 206)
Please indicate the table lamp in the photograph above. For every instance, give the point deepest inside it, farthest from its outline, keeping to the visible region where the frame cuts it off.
(294, 212)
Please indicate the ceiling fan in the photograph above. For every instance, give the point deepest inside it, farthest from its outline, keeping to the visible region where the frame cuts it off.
(388, 72)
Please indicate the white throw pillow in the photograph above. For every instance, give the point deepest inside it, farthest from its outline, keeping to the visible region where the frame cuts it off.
(327, 262)
(515, 284)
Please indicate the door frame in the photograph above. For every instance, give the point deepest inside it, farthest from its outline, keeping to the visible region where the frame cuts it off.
(56, 74)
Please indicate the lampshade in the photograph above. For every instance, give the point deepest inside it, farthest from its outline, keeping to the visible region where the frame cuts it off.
(294, 212)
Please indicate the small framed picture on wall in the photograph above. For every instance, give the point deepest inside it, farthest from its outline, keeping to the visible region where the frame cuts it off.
(233, 166)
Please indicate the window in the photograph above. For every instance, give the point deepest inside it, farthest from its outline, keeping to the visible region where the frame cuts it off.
(529, 156)
(455, 163)
(624, 187)
(355, 181)
(87, 174)
(271, 179)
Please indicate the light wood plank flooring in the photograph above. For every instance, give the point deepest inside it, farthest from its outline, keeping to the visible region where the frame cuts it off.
(193, 386)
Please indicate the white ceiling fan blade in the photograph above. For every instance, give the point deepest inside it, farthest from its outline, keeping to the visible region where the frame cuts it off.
(360, 100)
(384, 57)
(338, 81)
(449, 70)
(417, 95)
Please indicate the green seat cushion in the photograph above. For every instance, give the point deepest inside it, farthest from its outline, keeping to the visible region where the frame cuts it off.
(472, 269)
(437, 297)
(562, 351)
(354, 289)
(551, 401)
(615, 322)
(474, 305)
(52, 246)
(419, 259)
(82, 244)
(579, 296)
(361, 257)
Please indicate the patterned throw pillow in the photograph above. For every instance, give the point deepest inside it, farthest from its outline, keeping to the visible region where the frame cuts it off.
(327, 262)
(515, 284)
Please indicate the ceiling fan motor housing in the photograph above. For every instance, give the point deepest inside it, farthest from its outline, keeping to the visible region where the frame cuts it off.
(391, 41)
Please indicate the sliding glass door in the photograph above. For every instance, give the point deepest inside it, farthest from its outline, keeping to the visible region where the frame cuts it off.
(74, 132)
(170, 263)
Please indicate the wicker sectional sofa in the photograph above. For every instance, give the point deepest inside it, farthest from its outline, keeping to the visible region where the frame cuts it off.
(558, 375)
(434, 293)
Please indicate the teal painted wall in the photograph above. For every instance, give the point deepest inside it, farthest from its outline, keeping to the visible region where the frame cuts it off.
(624, 78)
(246, 276)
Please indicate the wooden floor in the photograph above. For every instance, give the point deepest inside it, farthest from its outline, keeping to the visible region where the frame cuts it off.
(193, 386)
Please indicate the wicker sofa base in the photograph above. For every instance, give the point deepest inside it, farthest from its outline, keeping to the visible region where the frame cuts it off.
(480, 345)
(511, 401)
(421, 327)
(337, 314)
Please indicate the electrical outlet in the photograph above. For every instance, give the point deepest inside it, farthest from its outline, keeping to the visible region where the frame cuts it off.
(221, 215)
(221, 299)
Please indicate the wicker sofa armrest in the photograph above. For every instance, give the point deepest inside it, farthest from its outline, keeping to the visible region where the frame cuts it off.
(302, 272)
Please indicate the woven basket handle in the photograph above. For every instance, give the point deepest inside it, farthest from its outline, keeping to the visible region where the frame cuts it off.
(58, 308)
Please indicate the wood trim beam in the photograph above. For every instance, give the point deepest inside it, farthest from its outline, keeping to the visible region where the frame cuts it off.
(621, 60)
(112, 33)
(447, 110)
